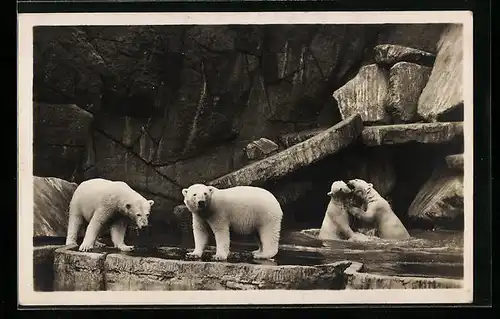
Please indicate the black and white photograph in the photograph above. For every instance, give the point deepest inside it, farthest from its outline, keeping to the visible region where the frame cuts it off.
(245, 158)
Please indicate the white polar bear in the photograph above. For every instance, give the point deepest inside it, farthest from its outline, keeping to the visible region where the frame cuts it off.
(336, 221)
(99, 201)
(242, 209)
(378, 211)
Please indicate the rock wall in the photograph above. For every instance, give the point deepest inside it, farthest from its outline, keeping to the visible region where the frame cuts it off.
(174, 105)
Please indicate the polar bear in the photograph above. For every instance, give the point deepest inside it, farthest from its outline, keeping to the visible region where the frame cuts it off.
(99, 202)
(336, 221)
(378, 211)
(242, 209)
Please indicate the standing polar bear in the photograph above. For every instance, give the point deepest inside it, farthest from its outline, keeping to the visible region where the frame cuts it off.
(99, 201)
(243, 209)
(336, 221)
(378, 211)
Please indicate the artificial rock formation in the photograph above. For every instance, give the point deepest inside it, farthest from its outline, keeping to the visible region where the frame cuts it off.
(440, 201)
(60, 134)
(365, 94)
(51, 204)
(406, 82)
(442, 97)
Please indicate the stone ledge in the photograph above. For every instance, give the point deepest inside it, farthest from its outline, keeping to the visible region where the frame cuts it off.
(427, 133)
(357, 280)
(455, 161)
(120, 272)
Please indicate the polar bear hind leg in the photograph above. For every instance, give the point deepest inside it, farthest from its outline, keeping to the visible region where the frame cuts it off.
(75, 221)
(269, 235)
(117, 231)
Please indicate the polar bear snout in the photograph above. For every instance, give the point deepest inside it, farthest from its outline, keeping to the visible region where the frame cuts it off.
(202, 204)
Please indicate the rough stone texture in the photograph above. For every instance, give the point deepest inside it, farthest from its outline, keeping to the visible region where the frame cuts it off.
(390, 54)
(444, 90)
(51, 203)
(43, 271)
(365, 94)
(290, 139)
(78, 271)
(260, 148)
(455, 161)
(406, 82)
(420, 36)
(300, 155)
(428, 133)
(440, 201)
(119, 272)
(359, 280)
(60, 135)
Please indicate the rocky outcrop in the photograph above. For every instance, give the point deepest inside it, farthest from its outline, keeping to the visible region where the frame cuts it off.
(406, 82)
(428, 133)
(76, 271)
(440, 201)
(51, 203)
(60, 134)
(365, 94)
(356, 279)
(390, 54)
(442, 97)
(300, 155)
(455, 161)
(260, 148)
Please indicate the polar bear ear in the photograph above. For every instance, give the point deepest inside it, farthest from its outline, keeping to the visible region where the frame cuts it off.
(184, 192)
(370, 185)
(151, 202)
(329, 193)
(211, 189)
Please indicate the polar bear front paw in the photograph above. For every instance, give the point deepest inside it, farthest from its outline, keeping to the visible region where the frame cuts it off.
(219, 257)
(99, 244)
(194, 254)
(359, 237)
(126, 248)
(261, 255)
(85, 247)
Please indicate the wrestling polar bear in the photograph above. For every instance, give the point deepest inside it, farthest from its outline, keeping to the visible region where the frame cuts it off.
(243, 209)
(378, 211)
(336, 221)
(99, 201)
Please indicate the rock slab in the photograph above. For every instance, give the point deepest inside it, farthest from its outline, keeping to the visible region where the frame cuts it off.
(455, 161)
(365, 94)
(406, 82)
(51, 204)
(440, 201)
(444, 90)
(390, 54)
(300, 155)
(43, 270)
(427, 133)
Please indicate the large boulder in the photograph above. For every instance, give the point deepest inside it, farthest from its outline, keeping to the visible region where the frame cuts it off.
(390, 54)
(51, 204)
(442, 97)
(406, 82)
(260, 148)
(440, 201)
(60, 134)
(365, 94)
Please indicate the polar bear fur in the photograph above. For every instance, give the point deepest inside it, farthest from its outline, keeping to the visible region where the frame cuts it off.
(241, 209)
(378, 211)
(335, 224)
(99, 202)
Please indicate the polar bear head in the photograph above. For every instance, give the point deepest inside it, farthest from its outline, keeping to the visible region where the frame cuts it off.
(359, 187)
(197, 198)
(139, 210)
(339, 188)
